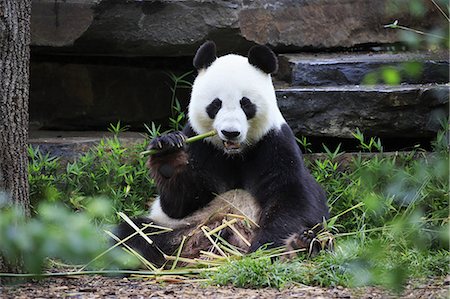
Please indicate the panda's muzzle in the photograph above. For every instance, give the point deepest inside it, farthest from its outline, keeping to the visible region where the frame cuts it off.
(230, 142)
(231, 145)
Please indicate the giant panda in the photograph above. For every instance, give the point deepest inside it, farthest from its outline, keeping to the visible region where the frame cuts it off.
(253, 165)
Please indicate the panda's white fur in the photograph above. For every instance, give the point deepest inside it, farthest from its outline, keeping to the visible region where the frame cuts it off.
(230, 78)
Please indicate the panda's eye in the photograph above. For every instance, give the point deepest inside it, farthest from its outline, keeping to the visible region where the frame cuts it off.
(248, 107)
(213, 108)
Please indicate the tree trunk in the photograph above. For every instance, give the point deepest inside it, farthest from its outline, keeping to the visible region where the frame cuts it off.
(14, 87)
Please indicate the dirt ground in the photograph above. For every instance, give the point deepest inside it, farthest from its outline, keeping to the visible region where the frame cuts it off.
(107, 287)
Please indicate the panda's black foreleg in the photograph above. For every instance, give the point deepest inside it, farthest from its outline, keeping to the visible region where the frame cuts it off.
(292, 211)
(181, 185)
(292, 202)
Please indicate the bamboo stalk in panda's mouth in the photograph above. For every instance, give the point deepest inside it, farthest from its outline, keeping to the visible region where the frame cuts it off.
(189, 140)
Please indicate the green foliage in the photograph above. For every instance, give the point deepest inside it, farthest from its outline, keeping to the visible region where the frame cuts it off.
(178, 117)
(431, 40)
(42, 174)
(117, 128)
(259, 270)
(110, 169)
(56, 232)
(389, 212)
(435, 38)
(390, 219)
(304, 144)
(351, 264)
(373, 144)
(255, 271)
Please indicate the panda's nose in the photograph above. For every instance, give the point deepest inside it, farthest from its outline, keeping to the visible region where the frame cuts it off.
(231, 134)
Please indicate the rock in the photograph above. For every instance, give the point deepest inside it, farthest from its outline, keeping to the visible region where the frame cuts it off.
(142, 28)
(70, 145)
(401, 111)
(59, 24)
(351, 68)
(91, 93)
(177, 28)
(322, 24)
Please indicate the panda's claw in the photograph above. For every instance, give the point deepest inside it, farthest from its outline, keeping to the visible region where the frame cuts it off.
(305, 240)
(168, 142)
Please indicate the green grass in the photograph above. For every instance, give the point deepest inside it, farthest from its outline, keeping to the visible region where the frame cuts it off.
(389, 213)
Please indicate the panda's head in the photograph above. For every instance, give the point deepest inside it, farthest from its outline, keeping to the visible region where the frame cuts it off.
(234, 95)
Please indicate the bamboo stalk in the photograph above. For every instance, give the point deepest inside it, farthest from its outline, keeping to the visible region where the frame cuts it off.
(189, 140)
(134, 226)
(213, 243)
(241, 217)
(230, 251)
(396, 26)
(212, 255)
(224, 243)
(222, 226)
(195, 261)
(106, 272)
(180, 248)
(440, 9)
(119, 242)
(143, 260)
(238, 233)
(234, 206)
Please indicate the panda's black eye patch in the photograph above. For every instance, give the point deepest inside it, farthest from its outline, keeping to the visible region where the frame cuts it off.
(248, 107)
(213, 108)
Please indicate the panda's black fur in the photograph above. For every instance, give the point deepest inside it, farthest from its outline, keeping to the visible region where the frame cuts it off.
(190, 176)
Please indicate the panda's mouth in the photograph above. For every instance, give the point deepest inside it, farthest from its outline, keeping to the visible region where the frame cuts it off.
(231, 147)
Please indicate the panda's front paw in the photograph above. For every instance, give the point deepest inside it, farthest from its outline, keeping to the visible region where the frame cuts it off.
(167, 143)
(170, 157)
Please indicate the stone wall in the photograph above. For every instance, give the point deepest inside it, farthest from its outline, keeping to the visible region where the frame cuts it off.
(177, 28)
(95, 62)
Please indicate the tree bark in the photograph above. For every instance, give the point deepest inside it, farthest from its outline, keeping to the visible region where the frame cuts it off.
(14, 88)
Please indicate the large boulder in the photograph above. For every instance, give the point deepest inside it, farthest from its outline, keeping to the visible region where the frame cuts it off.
(409, 111)
(331, 69)
(176, 28)
(313, 24)
(141, 28)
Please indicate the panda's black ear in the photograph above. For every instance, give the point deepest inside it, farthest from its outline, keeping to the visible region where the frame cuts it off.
(205, 55)
(263, 58)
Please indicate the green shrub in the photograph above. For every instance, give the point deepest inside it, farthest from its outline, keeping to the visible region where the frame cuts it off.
(109, 169)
